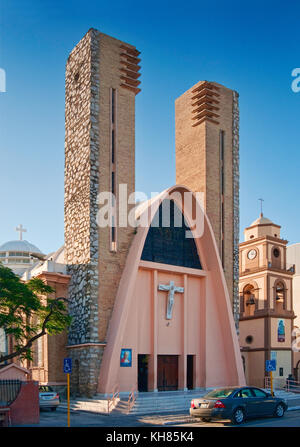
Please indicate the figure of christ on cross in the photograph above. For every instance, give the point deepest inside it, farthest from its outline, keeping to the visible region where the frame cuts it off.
(172, 290)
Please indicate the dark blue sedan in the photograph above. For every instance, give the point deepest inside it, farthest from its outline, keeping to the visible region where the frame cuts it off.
(237, 404)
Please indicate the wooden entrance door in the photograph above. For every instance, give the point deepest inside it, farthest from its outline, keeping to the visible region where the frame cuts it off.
(167, 372)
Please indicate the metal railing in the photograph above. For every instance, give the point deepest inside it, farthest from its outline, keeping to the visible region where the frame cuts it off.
(9, 390)
(289, 268)
(131, 400)
(112, 400)
(283, 384)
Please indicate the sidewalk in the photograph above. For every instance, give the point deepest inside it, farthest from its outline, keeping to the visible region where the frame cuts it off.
(164, 419)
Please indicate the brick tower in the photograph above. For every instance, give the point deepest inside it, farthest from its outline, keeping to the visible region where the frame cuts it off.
(101, 83)
(207, 161)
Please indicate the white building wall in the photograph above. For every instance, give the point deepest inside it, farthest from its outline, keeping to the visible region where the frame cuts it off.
(293, 257)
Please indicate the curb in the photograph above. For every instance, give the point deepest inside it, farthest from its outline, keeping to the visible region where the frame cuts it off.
(182, 421)
(293, 408)
(79, 410)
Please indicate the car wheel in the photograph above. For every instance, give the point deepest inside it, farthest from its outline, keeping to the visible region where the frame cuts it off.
(238, 416)
(53, 408)
(205, 419)
(279, 411)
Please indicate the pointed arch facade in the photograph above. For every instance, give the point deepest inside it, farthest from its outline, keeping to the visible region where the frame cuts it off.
(195, 345)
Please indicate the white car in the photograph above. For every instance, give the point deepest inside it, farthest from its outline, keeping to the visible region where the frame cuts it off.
(48, 398)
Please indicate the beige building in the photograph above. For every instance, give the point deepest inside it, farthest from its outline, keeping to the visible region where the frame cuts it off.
(266, 301)
(48, 351)
(293, 257)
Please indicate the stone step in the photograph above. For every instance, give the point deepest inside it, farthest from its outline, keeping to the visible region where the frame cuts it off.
(145, 403)
(165, 402)
(92, 405)
(152, 403)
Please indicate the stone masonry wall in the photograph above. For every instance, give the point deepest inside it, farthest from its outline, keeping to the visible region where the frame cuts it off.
(93, 69)
(81, 188)
(236, 203)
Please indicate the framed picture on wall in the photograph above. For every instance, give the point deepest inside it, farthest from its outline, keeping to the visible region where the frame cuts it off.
(281, 331)
(126, 358)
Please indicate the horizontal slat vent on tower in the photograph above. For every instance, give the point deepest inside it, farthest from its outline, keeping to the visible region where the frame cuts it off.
(130, 68)
(205, 102)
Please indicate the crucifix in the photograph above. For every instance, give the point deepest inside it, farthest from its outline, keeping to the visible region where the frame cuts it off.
(172, 290)
(21, 230)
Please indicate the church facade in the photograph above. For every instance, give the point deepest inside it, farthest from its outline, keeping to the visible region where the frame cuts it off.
(172, 325)
(150, 308)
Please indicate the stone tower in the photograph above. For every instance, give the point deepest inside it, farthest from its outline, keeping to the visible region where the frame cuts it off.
(101, 83)
(207, 161)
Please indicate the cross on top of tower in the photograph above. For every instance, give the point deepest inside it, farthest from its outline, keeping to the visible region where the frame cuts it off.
(21, 230)
(261, 207)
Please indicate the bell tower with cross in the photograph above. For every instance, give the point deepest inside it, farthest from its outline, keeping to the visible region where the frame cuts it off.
(266, 301)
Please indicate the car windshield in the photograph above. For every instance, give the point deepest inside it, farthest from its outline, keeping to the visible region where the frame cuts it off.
(45, 389)
(218, 394)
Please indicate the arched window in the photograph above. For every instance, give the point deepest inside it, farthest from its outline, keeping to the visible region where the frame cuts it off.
(166, 241)
(276, 257)
(3, 342)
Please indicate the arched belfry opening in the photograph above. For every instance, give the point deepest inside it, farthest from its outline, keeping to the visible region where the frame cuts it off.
(249, 300)
(280, 296)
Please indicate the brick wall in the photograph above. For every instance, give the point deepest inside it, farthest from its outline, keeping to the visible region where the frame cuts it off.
(198, 167)
(25, 409)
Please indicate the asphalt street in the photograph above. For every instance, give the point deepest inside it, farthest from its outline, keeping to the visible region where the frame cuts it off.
(85, 419)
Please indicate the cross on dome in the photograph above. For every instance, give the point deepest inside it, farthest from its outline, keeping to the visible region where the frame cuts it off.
(21, 230)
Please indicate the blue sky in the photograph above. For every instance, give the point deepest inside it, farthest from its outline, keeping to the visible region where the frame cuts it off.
(251, 47)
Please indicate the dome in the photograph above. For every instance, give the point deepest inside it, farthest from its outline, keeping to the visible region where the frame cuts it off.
(23, 246)
(261, 221)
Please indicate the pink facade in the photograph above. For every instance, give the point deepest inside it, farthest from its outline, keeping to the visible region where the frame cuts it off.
(201, 327)
(14, 372)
